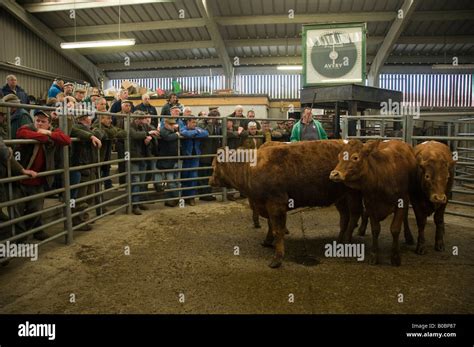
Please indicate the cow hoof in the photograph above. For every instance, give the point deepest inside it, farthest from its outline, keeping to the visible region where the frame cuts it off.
(276, 263)
(257, 226)
(420, 249)
(267, 244)
(396, 260)
(439, 246)
(373, 259)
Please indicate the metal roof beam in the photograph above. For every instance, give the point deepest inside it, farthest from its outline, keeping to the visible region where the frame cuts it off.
(206, 13)
(405, 12)
(129, 27)
(45, 33)
(165, 46)
(263, 61)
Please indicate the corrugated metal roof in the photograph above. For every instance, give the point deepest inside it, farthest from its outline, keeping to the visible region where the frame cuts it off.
(248, 8)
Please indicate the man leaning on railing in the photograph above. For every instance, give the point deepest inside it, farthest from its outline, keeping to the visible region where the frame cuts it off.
(39, 158)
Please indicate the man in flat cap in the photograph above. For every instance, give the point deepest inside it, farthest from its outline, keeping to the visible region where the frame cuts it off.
(84, 152)
(18, 116)
(37, 157)
(68, 89)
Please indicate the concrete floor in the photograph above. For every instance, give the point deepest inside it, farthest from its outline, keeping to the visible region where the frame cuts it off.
(187, 255)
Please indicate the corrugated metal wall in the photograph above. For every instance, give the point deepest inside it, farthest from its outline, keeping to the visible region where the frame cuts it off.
(18, 41)
(430, 90)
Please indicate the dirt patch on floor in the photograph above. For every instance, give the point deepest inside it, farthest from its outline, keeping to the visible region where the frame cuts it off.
(185, 261)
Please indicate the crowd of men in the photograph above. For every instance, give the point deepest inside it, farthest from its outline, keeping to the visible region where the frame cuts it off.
(155, 142)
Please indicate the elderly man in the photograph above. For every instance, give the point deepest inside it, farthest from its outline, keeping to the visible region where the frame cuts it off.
(255, 137)
(175, 113)
(307, 128)
(119, 122)
(18, 116)
(39, 158)
(140, 142)
(168, 147)
(250, 118)
(117, 105)
(148, 108)
(187, 112)
(111, 133)
(239, 113)
(191, 146)
(84, 152)
(68, 89)
(56, 87)
(80, 95)
(11, 87)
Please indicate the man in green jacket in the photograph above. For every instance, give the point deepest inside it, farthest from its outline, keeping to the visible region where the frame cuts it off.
(307, 128)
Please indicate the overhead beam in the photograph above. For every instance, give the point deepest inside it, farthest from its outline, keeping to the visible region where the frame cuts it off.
(161, 64)
(207, 14)
(42, 31)
(170, 46)
(406, 11)
(264, 61)
(165, 46)
(129, 27)
(342, 17)
(11, 67)
(82, 4)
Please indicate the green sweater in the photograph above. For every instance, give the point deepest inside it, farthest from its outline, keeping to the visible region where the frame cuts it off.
(296, 132)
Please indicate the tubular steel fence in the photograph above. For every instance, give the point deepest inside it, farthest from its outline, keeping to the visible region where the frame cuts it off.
(457, 133)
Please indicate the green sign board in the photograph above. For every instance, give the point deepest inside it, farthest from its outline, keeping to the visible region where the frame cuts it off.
(334, 54)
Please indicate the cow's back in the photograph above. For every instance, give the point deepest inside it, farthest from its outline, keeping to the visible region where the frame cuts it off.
(300, 170)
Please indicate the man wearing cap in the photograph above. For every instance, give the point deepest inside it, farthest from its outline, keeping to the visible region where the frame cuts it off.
(175, 112)
(209, 146)
(148, 108)
(56, 87)
(281, 133)
(307, 128)
(11, 87)
(68, 88)
(111, 133)
(172, 101)
(191, 145)
(80, 95)
(119, 122)
(18, 116)
(140, 142)
(84, 152)
(168, 147)
(37, 157)
(117, 105)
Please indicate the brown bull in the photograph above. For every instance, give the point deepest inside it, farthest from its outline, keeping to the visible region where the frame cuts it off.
(384, 171)
(291, 176)
(435, 176)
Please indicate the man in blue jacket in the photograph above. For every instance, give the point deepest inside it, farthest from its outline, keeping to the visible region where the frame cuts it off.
(56, 88)
(191, 145)
(13, 88)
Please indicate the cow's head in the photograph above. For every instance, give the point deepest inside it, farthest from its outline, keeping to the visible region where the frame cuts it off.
(434, 175)
(218, 178)
(352, 162)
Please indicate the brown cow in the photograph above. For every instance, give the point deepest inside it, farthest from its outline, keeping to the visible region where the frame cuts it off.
(435, 178)
(291, 176)
(384, 171)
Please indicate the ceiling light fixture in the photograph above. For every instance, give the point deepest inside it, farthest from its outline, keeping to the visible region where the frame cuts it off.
(102, 43)
(290, 67)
